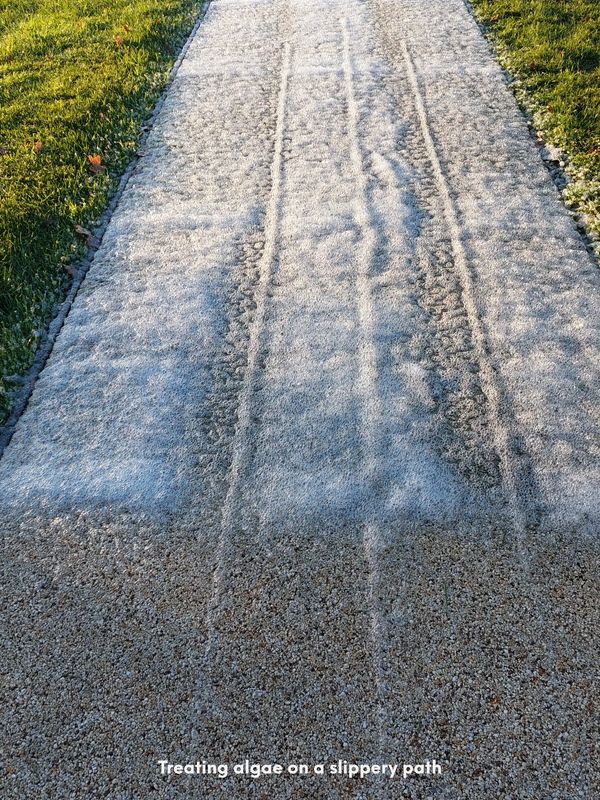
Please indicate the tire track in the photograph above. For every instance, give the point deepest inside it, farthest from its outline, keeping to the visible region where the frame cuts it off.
(370, 406)
(242, 445)
(218, 416)
(501, 434)
(465, 427)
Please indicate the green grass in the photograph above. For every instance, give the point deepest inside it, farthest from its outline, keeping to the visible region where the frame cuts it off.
(77, 78)
(552, 47)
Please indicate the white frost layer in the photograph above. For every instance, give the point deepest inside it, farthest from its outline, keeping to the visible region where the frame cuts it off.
(107, 420)
(345, 423)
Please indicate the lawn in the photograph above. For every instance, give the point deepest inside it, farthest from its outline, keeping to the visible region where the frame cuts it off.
(78, 78)
(552, 47)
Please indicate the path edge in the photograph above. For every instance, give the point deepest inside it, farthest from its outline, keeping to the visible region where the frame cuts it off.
(44, 351)
(559, 175)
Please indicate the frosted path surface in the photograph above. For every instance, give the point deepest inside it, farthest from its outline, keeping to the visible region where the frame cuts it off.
(312, 471)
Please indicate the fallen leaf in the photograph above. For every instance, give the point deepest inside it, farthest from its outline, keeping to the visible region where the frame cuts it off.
(91, 240)
(119, 41)
(96, 165)
(38, 147)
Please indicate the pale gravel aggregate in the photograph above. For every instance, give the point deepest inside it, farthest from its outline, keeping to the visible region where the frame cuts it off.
(312, 470)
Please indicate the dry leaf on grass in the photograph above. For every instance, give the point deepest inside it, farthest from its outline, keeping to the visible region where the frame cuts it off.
(96, 165)
(91, 240)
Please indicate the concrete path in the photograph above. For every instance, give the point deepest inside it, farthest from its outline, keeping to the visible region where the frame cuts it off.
(312, 472)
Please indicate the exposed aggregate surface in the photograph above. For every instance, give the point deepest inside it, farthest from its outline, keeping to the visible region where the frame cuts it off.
(312, 472)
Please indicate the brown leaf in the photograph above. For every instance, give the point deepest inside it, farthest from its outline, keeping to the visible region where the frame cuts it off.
(96, 165)
(91, 240)
(119, 41)
(38, 147)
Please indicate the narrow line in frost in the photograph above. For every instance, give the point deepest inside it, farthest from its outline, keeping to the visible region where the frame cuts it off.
(491, 389)
(367, 378)
(242, 438)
